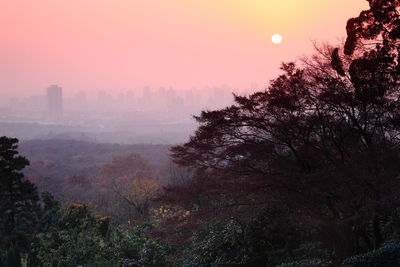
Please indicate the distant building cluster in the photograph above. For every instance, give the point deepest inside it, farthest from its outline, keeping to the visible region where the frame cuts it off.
(161, 114)
(54, 105)
(162, 100)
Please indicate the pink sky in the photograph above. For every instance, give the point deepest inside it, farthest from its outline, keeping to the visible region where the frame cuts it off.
(126, 44)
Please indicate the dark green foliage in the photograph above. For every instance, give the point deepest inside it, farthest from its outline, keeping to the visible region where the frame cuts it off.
(76, 239)
(309, 255)
(80, 238)
(11, 257)
(50, 212)
(154, 254)
(218, 245)
(133, 246)
(264, 241)
(388, 255)
(308, 263)
(19, 200)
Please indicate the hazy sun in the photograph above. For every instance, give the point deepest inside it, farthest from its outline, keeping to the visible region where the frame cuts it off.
(276, 38)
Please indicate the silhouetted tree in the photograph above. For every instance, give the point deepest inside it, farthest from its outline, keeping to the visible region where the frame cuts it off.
(379, 25)
(19, 200)
(322, 140)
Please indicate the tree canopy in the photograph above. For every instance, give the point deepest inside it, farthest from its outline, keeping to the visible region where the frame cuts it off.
(19, 200)
(322, 140)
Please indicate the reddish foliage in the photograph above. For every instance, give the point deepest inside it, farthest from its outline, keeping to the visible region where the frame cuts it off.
(310, 143)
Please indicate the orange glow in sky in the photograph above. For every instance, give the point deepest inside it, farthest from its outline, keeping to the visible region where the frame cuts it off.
(127, 44)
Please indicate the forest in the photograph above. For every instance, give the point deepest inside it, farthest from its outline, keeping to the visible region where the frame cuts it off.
(304, 173)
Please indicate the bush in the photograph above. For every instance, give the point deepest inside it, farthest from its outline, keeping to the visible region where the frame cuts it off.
(263, 241)
(311, 254)
(308, 263)
(80, 238)
(387, 255)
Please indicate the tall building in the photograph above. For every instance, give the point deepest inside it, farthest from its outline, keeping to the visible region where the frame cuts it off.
(54, 103)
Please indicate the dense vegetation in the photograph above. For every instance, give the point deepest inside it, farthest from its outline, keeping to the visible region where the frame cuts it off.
(305, 173)
(96, 174)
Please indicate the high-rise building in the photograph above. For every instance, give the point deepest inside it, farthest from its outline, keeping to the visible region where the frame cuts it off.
(54, 103)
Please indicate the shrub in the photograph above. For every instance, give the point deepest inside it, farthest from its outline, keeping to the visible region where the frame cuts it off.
(80, 238)
(264, 241)
(387, 255)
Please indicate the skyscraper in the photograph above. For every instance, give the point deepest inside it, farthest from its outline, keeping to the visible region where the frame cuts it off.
(54, 103)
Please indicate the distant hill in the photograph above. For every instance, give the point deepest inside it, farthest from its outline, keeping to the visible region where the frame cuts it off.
(82, 153)
(59, 159)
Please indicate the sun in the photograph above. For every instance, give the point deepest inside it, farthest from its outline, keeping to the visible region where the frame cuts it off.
(276, 38)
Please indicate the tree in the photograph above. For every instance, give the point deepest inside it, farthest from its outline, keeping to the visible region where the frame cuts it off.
(19, 200)
(380, 21)
(373, 41)
(79, 238)
(321, 141)
(137, 193)
(131, 180)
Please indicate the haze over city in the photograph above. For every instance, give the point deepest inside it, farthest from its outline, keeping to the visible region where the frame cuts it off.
(119, 45)
(159, 62)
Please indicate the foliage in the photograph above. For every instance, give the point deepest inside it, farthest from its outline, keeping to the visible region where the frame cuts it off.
(11, 257)
(387, 255)
(322, 141)
(19, 200)
(380, 21)
(76, 172)
(132, 180)
(50, 214)
(80, 238)
(305, 173)
(264, 241)
(310, 255)
(73, 240)
(308, 263)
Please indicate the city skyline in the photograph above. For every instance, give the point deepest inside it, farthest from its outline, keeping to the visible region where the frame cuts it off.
(155, 115)
(107, 45)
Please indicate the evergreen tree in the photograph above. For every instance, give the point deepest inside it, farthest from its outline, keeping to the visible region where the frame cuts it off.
(19, 200)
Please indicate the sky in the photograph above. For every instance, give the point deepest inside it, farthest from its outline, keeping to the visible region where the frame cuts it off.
(116, 45)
